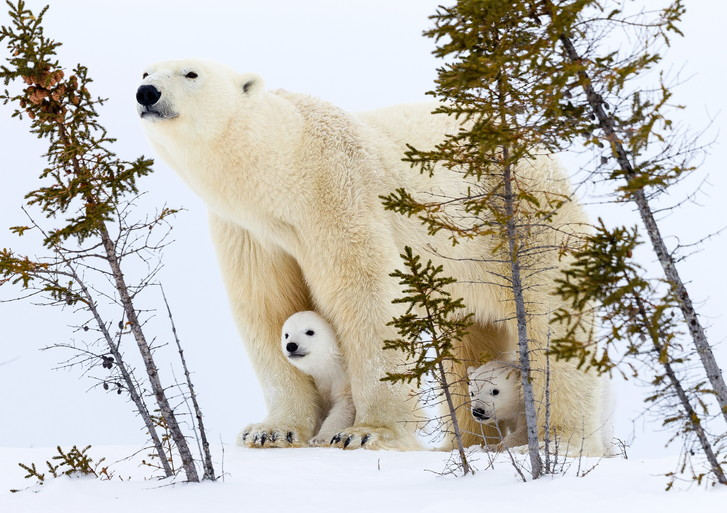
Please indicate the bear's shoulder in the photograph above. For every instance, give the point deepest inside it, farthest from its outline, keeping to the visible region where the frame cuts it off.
(310, 107)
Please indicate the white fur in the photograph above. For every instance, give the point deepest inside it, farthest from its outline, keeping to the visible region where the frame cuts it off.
(496, 400)
(309, 343)
(293, 186)
(608, 413)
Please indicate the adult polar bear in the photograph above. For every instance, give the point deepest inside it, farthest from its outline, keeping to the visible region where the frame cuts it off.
(293, 186)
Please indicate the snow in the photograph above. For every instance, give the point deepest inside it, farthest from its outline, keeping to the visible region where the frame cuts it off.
(322, 480)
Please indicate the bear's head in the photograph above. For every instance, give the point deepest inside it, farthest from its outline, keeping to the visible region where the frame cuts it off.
(193, 97)
(494, 392)
(309, 343)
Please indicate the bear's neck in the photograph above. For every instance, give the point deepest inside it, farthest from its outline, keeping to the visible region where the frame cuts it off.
(234, 169)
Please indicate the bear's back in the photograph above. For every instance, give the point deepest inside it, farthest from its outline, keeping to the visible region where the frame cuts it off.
(411, 123)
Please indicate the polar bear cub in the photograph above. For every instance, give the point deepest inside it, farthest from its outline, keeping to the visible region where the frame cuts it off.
(496, 399)
(309, 343)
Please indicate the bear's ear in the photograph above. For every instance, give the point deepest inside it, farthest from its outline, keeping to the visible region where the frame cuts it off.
(251, 83)
(470, 370)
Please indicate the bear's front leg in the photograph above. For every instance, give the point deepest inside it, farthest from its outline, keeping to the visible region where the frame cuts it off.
(350, 282)
(265, 287)
(341, 416)
(517, 433)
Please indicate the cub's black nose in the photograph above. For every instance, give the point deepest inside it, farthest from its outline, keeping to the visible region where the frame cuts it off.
(479, 413)
(148, 95)
(291, 347)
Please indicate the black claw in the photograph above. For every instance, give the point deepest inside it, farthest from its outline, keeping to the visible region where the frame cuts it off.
(289, 437)
(274, 437)
(336, 439)
(255, 439)
(365, 439)
(348, 441)
(263, 438)
(245, 435)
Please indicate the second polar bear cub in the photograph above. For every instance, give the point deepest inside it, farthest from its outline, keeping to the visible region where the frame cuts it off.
(309, 343)
(496, 399)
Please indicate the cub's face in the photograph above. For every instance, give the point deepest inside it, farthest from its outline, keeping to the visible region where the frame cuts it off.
(308, 342)
(494, 392)
(198, 95)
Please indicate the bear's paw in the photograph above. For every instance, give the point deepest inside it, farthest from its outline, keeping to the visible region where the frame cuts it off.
(374, 438)
(319, 441)
(264, 436)
(514, 448)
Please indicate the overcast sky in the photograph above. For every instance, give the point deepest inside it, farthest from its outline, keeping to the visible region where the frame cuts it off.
(357, 54)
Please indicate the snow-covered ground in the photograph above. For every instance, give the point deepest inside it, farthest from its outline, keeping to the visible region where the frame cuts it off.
(330, 480)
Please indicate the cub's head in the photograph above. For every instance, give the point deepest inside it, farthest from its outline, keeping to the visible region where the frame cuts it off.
(494, 392)
(195, 94)
(309, 342)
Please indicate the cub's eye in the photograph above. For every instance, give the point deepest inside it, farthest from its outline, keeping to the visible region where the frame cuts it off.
(191, 74)
(495, 391)
(472, 394)
(310, 333)
(286, 336)
(145, 75)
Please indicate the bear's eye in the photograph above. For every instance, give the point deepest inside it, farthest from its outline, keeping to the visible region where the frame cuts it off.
(472, 394)
(495, 391)
(310, 333)
(191, 74)
(286, 336)
(145, 75)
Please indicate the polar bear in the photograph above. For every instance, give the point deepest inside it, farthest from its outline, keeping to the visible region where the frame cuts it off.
(496, 400)
(309, 343)
(293, 186)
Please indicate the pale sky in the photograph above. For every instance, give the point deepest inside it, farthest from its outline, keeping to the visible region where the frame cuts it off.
(357, 54)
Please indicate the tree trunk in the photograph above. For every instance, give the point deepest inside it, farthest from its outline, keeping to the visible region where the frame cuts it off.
(453, 415)
(699, 338)
(136, 398)
(521, 315)
(151, 369)
(691, 415)
(549, 465)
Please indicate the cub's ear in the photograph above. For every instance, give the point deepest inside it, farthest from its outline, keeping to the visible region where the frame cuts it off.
(251, 83)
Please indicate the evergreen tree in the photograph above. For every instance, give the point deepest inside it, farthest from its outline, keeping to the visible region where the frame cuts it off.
(429, 329)
(641, 157)
(87, 195)
(635, 314)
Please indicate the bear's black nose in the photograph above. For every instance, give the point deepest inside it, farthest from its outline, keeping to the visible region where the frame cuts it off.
(479, 413)
(148, 95)
(291, 347)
